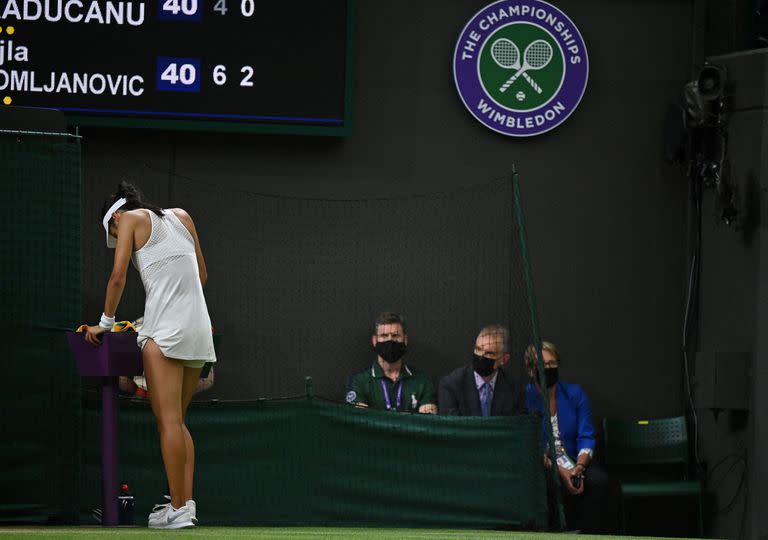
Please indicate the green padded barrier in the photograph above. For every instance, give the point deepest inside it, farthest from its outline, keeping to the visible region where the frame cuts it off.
(311, 462)
(40, 290)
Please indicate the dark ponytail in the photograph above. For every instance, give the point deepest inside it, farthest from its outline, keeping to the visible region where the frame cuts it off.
(134, 198)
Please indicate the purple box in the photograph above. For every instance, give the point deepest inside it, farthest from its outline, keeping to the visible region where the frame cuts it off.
(118, 354)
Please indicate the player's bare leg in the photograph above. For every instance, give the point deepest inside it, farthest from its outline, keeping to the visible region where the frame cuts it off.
(189, 385)
(164, 380)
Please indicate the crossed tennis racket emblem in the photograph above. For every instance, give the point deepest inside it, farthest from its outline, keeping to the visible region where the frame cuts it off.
(506, 54)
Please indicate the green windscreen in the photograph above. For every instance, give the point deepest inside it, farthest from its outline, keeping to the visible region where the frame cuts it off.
(40, 290)
(310, 462)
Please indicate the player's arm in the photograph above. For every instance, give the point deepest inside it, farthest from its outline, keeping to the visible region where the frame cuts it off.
(186, 219)
(123, 250)
(116, 284)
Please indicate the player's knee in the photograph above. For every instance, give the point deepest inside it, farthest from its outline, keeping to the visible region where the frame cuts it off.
(167, 422)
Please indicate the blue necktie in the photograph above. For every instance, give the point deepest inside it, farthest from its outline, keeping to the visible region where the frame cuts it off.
(485, 399)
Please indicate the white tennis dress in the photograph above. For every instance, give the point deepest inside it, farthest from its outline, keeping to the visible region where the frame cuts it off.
(175, 313)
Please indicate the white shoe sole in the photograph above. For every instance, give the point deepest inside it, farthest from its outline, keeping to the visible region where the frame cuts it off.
(174, 525)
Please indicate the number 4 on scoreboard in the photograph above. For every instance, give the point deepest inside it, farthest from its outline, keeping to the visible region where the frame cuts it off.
(221, 7)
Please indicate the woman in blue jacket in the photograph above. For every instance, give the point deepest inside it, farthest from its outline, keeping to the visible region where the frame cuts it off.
(571, 415)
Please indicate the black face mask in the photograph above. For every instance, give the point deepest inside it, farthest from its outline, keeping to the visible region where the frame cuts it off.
(550, 376)
(391, 350)
(482, 365)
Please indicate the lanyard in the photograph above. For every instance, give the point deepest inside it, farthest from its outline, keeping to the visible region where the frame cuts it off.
(398, 399)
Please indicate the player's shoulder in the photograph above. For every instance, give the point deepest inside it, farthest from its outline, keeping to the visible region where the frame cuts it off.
(183, 215)
(180, 212)
(138, 215)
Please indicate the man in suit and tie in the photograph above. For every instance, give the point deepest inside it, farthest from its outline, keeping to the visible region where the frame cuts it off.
(481, 388)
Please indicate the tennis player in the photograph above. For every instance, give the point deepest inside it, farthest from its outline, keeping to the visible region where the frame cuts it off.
(175, 338)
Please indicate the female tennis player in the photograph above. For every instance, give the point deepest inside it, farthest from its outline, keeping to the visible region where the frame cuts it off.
(175, 338)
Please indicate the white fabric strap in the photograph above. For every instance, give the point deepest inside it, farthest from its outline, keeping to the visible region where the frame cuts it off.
(106, 322)
(111, 242)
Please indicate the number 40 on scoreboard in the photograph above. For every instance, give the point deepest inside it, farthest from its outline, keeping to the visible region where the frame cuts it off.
(178, 74)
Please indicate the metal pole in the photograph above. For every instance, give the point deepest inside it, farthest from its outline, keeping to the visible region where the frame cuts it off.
(109, 451)
(537, 342)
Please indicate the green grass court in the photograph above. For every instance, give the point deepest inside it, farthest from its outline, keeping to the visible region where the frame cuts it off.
(288, 533)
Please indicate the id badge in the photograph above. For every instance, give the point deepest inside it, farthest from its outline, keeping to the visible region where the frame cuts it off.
(565, 462)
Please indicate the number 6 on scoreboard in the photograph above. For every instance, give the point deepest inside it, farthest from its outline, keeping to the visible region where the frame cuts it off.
(220, 75)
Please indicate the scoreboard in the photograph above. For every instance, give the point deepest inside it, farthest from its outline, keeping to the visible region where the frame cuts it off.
(219, 65)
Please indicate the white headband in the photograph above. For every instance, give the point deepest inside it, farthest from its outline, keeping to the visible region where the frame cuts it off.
(111, 241)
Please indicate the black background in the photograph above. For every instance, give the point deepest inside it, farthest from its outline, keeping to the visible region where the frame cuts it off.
(297, 50)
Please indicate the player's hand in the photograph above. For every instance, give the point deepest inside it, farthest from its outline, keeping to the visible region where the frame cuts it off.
(93, 335)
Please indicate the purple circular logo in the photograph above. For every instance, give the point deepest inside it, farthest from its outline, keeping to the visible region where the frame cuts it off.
(520, 67)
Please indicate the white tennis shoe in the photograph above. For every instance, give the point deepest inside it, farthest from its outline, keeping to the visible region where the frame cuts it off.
(165, 516)
(189, 504)
(192, 510)
(159, 508)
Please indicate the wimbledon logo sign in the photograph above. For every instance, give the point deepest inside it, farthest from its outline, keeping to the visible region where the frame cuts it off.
(520, 67)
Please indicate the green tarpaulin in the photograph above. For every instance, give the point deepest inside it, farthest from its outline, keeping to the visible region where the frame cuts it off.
(311, 462)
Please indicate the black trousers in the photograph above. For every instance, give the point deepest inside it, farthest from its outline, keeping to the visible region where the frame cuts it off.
(594, 511)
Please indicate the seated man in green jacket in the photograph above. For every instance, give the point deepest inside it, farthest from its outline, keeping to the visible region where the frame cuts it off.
(389, 384)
